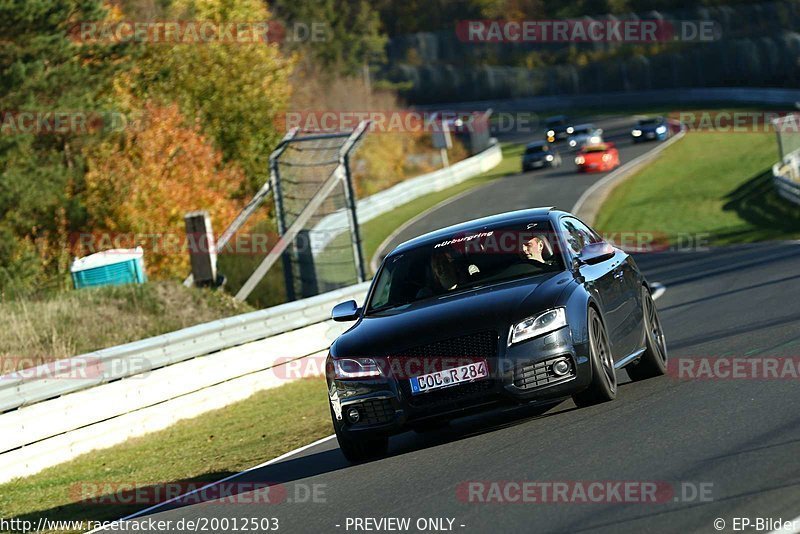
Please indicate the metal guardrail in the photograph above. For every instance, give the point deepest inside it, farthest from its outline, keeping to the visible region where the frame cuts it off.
(785, 186)
(385, 201)
(103, 366)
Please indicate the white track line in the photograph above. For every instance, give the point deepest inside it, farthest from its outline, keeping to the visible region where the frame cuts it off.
(229, 477)
(658, 290)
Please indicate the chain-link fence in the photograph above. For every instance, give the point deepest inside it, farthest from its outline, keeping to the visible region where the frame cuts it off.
(326, 254)
(311, 227)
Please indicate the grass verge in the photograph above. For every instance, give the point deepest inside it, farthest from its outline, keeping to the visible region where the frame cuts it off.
(60, 325)
(374, 232)
(203, 449)
(715, 187)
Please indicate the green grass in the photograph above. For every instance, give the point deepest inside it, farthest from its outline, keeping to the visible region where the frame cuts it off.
(60, 325)
(204, 449)
(374, 232)
(714, 184)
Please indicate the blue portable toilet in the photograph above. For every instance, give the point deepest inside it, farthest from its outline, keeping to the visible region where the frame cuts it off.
(110, 267)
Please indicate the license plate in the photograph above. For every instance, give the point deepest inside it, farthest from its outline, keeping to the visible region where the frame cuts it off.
(449, 377)
(650, 135)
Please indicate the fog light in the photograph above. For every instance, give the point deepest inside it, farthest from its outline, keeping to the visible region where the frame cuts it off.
(353, 415)
(561, 367)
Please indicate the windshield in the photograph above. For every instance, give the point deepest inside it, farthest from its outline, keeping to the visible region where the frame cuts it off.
(595, 148)
(583, 130)
(466, 261)
(649, 122)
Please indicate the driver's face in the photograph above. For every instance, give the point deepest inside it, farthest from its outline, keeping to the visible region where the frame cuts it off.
(444, 271)
(533, 249)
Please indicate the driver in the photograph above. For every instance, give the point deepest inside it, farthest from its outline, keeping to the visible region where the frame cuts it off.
(535, 248)
(444, 271)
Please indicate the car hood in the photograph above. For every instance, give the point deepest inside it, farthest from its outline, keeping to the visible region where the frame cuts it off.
(490, 308)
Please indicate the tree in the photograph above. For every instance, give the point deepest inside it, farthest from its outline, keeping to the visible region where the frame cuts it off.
(139, 187)
(44, 69)
(238, 91)
(353, 36)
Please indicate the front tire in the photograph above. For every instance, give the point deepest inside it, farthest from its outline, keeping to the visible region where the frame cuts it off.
(654, 360)
(603, 387)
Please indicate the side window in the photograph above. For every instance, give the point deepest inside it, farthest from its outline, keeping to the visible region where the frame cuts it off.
(577, 235)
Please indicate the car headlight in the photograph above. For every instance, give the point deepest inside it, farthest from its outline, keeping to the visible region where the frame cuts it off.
(636, 133)
(570, 129)
(573, 142)
(353, 368)
(661, 129)
(551, 133)
(549, 157)
(538, 325)
(580, 160)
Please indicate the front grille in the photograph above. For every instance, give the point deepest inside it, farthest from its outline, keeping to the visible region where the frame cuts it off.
(375, 411)
(482, 345)
(540, 374)
(452, 394)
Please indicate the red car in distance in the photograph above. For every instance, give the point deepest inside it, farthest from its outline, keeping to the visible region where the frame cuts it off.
(597, 158)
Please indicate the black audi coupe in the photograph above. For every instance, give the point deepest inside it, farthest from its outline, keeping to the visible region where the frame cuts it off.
(530, 306)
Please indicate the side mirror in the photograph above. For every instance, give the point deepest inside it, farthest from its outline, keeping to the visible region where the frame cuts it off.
(595, 253)
(345, 311)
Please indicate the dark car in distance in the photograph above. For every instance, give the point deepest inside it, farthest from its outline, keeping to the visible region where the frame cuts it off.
(650, 129)
(538, 155)
(557, 128)
(530, 306)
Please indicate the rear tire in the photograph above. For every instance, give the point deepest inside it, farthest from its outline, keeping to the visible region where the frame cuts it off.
(360, 449)
(604, 376)
(654, 360)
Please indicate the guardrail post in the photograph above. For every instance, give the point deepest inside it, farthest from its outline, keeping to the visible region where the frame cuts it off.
(202, 250)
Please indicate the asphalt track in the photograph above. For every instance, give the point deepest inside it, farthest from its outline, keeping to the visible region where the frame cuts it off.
(560, 187)
(737, 439)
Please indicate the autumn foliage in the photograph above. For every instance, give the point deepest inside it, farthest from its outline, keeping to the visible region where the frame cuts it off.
(141, 185)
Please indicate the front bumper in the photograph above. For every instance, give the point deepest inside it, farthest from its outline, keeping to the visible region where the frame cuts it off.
(536, 164)
(521, 373)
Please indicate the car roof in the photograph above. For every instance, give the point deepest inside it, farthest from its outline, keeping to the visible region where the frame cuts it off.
(510, 217)
(587, 126)
(556, 118)
(536, 144)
